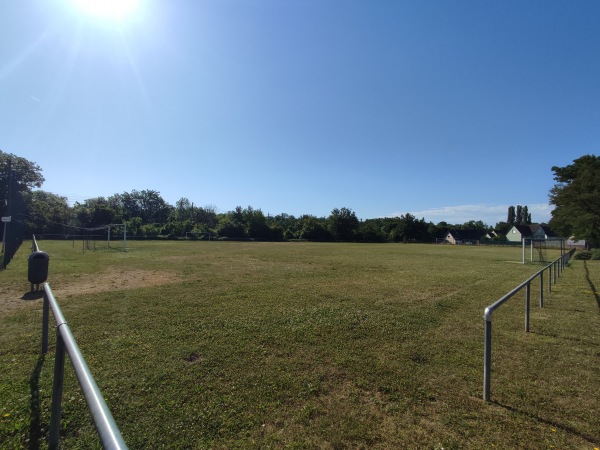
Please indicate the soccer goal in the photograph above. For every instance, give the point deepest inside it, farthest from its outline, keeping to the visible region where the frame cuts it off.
(537, 249)
(112, 236)
(119, 236)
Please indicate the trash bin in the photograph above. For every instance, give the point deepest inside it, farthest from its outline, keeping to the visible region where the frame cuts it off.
(38, 267)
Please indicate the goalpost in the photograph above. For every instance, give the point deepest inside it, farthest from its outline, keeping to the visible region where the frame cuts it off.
(115, 225)
(103, 233)
(537, 248)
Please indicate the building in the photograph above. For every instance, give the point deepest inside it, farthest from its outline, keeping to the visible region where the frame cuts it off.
(534, 231)
(462, 237)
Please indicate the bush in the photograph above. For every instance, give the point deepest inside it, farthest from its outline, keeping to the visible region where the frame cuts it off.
(596, 254)
(585, 255)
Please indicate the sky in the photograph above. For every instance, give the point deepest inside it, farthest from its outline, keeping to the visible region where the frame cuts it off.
(448, 110)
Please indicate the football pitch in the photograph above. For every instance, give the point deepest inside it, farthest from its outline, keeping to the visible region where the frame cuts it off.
(304, 345)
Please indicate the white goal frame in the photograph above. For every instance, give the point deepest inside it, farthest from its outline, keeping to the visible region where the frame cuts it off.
(124, 225)
(531, 242)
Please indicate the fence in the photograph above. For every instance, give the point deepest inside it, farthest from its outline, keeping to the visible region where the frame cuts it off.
(554, 269)
(106, 427)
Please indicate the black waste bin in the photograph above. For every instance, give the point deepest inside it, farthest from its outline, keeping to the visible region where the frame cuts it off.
(38, 267)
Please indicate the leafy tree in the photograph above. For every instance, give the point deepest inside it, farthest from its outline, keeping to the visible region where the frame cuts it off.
(503, 227)
(256, 224)
(576, 197)
(477, 225)
(27, 175)
(371, 231)
(148, 205)
(232, 225)
(343, 224)
(94, 212)
(183, 209)
(519, 215)
(511, 215)
(48, 213)
(525, 216)
(313, 229)
(289, 226)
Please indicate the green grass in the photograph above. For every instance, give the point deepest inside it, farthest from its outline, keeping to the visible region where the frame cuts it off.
(300, 345)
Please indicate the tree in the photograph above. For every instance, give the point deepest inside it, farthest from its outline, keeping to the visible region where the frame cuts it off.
(147, 205)
(183, 209)
(519, 215)
(232, 225)
(26, 175)
(525, 216)
(576, 197)
(343, 224)
(94, 212)
(503, 227)
(313, 229)
(48, 213)
(371, 231)
(511, 215)
(256, 224)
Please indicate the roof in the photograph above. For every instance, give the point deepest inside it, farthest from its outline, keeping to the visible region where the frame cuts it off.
(527, 230)
(466, 235)
(549, 232)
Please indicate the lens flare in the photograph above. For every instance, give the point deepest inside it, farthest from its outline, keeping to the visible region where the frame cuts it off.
(107, 9)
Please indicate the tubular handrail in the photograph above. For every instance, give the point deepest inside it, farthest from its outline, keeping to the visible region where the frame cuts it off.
(107, 429)
(554, 269)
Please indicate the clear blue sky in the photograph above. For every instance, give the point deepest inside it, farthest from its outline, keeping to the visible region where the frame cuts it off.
(449, 110)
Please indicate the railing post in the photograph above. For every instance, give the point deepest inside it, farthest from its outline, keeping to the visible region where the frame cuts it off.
(555, 271)
(487, 359)
(542, 289)
(57, 388)
(45, 319)
(527, 307)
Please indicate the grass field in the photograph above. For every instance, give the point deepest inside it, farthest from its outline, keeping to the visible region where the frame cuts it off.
(301, 345)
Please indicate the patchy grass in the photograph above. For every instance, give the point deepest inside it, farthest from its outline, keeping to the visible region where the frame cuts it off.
(300, 345)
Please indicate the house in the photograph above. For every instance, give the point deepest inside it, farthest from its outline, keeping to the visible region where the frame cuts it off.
(458, 237)
(548, 233)
(492, 234)
(519, 232)
(534, 231)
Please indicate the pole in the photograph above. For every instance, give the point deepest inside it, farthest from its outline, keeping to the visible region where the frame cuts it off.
(487, 360)
(45, 319)
(542, 289)
(531, 250)
(527, 306)
(57, 388)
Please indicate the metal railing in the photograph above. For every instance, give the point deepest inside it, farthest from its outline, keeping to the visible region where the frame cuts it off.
(109, 433)
(555, 268)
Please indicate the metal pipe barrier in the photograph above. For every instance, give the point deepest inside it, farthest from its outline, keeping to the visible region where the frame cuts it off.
(106, 427)
(554, 270)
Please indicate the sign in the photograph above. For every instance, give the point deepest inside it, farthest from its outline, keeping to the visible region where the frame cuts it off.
(6, 219)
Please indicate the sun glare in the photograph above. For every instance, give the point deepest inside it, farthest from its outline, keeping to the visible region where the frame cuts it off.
(107, 9)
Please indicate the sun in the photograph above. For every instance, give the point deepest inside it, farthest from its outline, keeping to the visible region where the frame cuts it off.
(117, 10)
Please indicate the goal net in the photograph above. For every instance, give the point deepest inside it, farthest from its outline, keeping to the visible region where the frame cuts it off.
(113, 236)
(542, 250)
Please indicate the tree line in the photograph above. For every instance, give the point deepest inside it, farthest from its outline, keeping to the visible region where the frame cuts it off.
(148, 215)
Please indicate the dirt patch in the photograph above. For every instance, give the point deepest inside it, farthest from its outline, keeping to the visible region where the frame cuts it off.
(109, 280)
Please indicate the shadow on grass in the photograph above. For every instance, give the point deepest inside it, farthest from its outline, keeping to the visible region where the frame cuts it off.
(33, 295)
(592, 286)
(35, 415)
(558, 426)
(556, 335)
